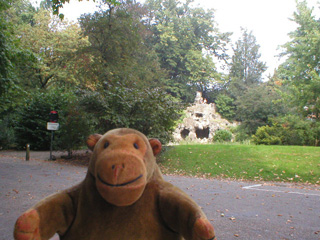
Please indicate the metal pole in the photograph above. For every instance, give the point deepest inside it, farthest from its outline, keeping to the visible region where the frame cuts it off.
(51, 145)
(28, 152)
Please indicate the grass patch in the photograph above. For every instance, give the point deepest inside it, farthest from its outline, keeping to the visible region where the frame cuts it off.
(246, 162)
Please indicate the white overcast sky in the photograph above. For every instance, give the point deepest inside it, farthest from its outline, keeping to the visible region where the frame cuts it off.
(267, 19)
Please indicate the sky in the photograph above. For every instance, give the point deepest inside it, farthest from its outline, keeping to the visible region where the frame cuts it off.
(267, 19)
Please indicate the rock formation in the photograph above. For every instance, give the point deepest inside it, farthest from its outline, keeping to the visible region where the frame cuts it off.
(201, 122)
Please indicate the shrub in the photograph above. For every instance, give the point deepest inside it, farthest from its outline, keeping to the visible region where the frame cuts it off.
(152, 111)
(289, 130)
(75, 128)
(33, 117)
(267, 135)
(222, 136)
(225, 106)
(241, 134)
(7, 135)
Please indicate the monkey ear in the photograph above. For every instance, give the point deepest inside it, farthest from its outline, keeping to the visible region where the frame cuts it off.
(155, 145)
(92, 140)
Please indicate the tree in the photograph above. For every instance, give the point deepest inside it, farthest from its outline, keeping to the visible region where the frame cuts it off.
(11, 55)
(6, 46)
(150, 111)
(246, 68)
(257, 106)
(58, 4)
(185, 40)
(52, 45)
(117, 43)
(127, 90)
(301, 71)
(21, 12)
(225, 106)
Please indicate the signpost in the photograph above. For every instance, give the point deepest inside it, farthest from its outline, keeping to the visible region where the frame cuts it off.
(53, 125)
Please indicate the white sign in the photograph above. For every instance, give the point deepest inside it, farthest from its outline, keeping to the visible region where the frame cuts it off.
(52, 126)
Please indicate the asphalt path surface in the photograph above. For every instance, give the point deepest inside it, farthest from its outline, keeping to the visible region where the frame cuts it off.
(238, 210)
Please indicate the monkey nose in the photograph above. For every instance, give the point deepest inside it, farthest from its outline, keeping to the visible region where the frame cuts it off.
(117, 168)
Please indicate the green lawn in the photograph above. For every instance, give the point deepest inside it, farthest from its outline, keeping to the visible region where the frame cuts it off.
(249, 162)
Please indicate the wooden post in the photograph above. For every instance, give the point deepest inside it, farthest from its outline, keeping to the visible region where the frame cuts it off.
(28, 152)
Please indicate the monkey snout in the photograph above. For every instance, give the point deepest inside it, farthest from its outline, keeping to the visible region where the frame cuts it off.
(117, 169)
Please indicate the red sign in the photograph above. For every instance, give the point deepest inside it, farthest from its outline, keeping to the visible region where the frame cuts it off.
(53, 116)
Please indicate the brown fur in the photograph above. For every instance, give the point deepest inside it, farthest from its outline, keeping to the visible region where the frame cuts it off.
(122, 197)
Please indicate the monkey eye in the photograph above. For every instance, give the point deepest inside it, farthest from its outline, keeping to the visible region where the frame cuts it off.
(106, 145)
(136, 146)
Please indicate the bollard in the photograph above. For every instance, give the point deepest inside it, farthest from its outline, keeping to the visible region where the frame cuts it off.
(28, 152)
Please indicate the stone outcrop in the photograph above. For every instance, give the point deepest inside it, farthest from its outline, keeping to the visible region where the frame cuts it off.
(201, 122)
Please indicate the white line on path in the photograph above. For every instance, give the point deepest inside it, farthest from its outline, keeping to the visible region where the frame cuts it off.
(252, 186)
(255, 187)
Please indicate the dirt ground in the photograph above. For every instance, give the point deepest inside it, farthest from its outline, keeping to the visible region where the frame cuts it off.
(238, 210)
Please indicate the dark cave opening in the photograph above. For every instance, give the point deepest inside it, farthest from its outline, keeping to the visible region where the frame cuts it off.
(202, 133)
(184, 133)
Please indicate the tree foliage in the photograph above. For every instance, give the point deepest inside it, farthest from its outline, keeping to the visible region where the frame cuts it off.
(301, 70)
(226, 106)
(245, 98)
(32, 117)
(6, 48)
(58, 4)
(11, 55)
(299, 83)
(246, 67)
(117, 39)
(150, 111)
(53, 44)
(186, 39)
(257, 106)
(289, 130)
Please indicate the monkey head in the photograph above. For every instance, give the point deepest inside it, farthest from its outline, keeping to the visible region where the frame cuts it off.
(122, 163)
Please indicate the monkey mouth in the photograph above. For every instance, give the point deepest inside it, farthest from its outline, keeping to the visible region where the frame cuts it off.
(120, 184)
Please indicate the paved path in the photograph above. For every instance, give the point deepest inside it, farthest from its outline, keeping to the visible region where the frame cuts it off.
(238, 210)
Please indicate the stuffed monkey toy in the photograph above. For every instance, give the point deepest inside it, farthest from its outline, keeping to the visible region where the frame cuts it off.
(123, 197)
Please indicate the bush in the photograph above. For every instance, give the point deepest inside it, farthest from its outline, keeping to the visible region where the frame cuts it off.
(152, 111)
(225, 106)
(222, 136)
(289, 130)
(241, 134)
(33, 117)
(75, 128)
(7, 135)
(267, 135)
